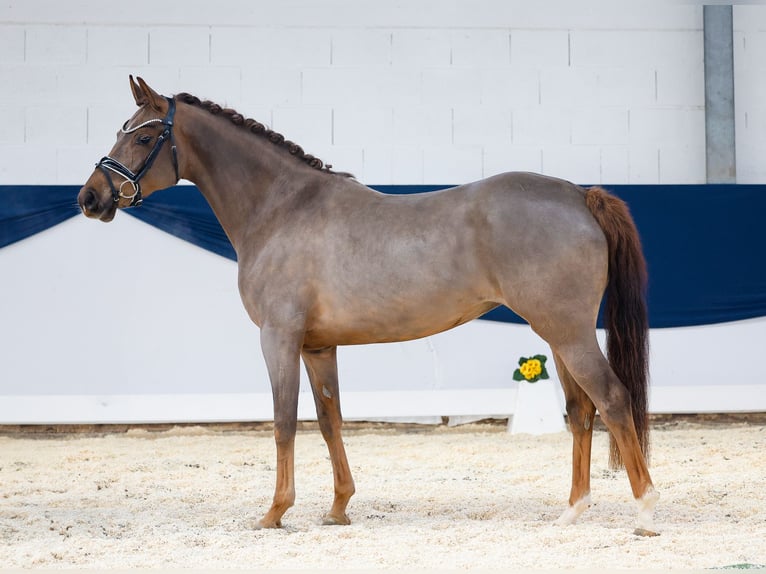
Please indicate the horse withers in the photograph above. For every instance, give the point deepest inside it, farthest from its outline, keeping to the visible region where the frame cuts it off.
(325, 261)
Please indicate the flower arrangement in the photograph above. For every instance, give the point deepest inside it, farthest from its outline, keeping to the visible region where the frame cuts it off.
(531, 369)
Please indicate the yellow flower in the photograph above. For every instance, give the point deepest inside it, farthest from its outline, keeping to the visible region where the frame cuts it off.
(531, 369)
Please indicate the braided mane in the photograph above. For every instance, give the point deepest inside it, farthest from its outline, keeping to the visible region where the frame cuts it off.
(260, 130)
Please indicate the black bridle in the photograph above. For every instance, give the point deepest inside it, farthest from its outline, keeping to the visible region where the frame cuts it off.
(107, 164)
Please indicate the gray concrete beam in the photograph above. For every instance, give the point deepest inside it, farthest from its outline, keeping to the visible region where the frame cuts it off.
(720, 147)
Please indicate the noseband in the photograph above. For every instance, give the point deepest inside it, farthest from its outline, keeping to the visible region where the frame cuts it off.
(107, 164)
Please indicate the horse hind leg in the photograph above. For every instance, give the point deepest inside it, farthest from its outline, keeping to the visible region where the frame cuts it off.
(581, 412)
(322, 368)
(587, 365)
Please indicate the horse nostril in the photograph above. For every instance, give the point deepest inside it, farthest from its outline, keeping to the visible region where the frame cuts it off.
(89, 200)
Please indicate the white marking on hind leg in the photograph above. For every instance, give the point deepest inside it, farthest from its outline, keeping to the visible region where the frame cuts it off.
(571, 514)
(645, 520)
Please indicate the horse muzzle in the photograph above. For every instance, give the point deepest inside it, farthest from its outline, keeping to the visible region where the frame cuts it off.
(96, 205)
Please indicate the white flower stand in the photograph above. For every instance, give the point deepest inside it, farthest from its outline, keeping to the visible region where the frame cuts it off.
(538, 410)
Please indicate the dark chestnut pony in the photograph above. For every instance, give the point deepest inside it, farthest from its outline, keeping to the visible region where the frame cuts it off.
(325, 261)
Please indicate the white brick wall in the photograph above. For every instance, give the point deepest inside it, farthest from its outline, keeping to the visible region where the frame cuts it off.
(428, 92)
(750, 92)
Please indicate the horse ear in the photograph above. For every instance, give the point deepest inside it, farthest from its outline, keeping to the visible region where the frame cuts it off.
(148, 96)
(138, 93)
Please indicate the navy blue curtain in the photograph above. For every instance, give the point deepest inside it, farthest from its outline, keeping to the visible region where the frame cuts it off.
(29, 209)
(705, 244)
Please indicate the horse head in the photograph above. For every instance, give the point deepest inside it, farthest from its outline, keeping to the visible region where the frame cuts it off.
(139, 163)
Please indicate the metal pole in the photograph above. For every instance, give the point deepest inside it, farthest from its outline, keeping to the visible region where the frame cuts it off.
(720, 144)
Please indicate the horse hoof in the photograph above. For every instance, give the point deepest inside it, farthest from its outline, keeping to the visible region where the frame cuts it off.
(330, 520)
(263, 524)
(645, 532)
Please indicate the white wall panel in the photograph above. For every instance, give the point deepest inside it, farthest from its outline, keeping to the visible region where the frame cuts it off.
(447, 164)
(428, 61)
(344, 13)
(13, 121)
(310, 127)
(451, 86)
(600, 126)
(750, 92)
(407, 165)
(499, 159)
(480, 48)
(342, 158)
(239, 45)
(621, 48)
(92, 85)
(30, 84)
(567, 87)
(681, 86)
(331, 86)
(615, 163)
(676, 160)
(263, 46)
(363, 125)
(378, 163)
(23, 163)
(12, 44)
(482, 126)
(270, 87)
(541, 126)
(632, 87)
(56, 45)
(420, 48)
(361, 48)
(118, 46)
(644, 164)
(749, 130)
(425, 125)
(59, 125)
(391, 165)
(513, 87)
(575, 163)
(179, 46)
(539, 48)
(221, 84)
(70, 170)
(663, 126)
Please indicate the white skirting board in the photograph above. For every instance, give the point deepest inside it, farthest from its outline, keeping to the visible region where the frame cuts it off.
(206, 408)
(418, 406)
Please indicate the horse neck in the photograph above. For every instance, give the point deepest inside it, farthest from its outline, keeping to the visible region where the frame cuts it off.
(237, 172)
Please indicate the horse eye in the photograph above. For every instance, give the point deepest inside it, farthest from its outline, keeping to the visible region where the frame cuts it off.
(143, 139)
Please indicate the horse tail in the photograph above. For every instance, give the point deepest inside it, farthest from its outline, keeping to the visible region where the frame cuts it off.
(625, 314)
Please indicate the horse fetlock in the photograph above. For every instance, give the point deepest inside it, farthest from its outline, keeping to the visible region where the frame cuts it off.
(573, 512)
(645, 519)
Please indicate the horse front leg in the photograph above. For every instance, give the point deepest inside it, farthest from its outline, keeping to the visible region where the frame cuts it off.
(281, 350)
(322, 368)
